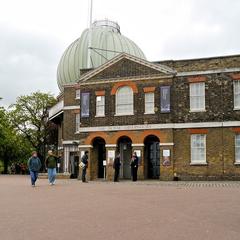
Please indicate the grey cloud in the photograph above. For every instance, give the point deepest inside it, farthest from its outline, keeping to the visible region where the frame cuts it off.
(28, 63)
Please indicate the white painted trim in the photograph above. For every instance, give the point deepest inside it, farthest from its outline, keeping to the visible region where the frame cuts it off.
(110, 145)
(161, 126)
(166, 144)
(223, 70)
(138, 145)
(71, 107)
(85, 146)
(70, 141)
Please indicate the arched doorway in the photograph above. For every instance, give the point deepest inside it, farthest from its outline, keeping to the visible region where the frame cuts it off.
(152, 157)
(125, 150)
(98, 156)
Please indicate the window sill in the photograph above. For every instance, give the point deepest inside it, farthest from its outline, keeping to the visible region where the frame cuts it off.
(124, 114)
(149, 113)
(78, 132)
(100, 116)
(77, 98)
(197, 110)
(237, 163)
(236, 109)
(199, 164)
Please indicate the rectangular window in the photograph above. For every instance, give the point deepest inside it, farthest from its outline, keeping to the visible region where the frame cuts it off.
(149, 103)
(236, 89)
(78, 94)
(165, 99)
(100, 106)
(237, 148)
(198, 149)
(197, 96)
(77, 121)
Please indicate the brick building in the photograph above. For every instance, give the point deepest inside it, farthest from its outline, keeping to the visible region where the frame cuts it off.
(181, 117)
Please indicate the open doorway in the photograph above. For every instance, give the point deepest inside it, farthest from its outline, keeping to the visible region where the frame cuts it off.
(152, 157)
(125, 149)
(99, 155)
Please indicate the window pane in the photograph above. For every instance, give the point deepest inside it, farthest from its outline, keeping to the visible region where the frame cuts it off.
(124, 101)
(197, 96)
(149, 102)
(198, 148)
(236, 85)
(77, 121)
(100, 105)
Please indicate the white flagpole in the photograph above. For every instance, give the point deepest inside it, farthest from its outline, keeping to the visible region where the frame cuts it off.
(90, 35)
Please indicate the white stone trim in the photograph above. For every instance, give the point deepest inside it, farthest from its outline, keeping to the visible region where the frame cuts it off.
(70, 141)
(71, 107)
(223, 70)
(110, 145)
(166, 144)
(161, 126)
(85, 146)
(138, 145)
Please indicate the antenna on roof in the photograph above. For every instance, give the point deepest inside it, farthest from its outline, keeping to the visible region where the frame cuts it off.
(90, 34)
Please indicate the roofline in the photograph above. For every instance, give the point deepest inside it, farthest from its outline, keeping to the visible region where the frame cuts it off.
(192, 59)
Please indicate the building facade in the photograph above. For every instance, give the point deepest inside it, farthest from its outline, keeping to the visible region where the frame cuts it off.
(182, 118)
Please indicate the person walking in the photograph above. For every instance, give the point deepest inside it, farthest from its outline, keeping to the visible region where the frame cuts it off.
(84, 161)
(116, 166)
(34, 165)
(134, 166)
(51, 164)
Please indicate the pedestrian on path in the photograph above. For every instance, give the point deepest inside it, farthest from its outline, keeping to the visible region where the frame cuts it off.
(34, 165)
(84, 164)
(116, 166)
(51, 164)
(134, 166)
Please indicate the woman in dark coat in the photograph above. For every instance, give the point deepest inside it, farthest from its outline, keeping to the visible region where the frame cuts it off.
(134, 166)
(116, 166)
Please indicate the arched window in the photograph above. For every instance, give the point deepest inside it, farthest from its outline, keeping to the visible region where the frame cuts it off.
(124, 101)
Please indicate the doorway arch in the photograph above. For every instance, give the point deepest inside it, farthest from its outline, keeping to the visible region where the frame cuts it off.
(98, 156)
(152, 157)
(125, 149)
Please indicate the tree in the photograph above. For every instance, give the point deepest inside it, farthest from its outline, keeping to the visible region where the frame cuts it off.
(13, 147)
(29, 116)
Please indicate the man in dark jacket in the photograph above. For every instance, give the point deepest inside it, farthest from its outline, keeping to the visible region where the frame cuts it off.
(84, 160)
(116, 166)
(34, 165)
(51, 164)
(134, 166)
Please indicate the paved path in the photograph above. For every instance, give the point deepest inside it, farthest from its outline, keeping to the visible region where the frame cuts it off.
(143, 211)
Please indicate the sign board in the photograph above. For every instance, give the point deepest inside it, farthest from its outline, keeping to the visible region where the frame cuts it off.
(165, 99)
(104, 163)
(111, 156)
(166, 153)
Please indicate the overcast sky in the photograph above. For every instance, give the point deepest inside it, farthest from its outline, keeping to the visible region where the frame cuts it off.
(35, 33)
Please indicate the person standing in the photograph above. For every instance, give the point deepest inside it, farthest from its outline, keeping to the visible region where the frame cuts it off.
(51, 164)
(134, 166)
(34, 165)
(84, 160)
(116, 166)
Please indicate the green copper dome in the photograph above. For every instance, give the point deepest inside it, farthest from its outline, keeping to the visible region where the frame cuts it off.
(106, 42)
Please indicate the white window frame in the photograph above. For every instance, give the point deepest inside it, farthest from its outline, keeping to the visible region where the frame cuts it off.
(197, 95)
(195, 150)
(121, 103)
(77, 122)
(236, 94)
(100, 104)
(237, 149)
(77, 94)
(149, 102)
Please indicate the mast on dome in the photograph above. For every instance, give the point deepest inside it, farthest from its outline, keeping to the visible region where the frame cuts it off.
(90, 34)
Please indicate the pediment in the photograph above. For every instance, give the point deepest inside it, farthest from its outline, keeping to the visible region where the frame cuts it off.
(125, 65)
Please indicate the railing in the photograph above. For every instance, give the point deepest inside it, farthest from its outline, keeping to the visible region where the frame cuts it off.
(55, 109)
